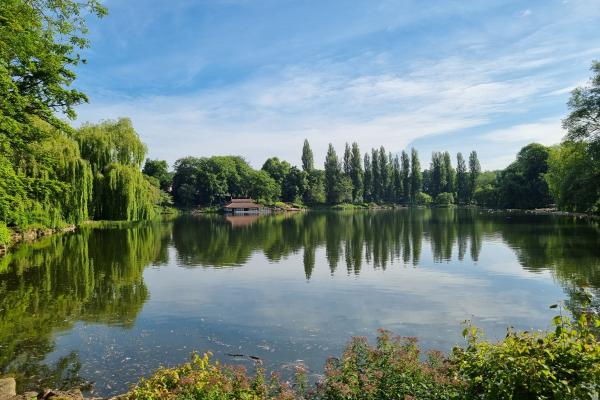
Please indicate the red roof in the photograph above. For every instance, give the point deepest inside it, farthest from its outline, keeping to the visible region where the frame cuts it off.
(242, 203)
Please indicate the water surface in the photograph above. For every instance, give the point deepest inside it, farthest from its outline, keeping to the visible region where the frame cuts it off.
(109, 305)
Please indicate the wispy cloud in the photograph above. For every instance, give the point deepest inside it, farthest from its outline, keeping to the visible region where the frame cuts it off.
(547, 132)
(400, 74)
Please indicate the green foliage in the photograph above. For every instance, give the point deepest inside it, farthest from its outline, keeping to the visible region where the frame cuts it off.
(474, 172)
(486, 196)
(573, 177)
(263, 187)
(49, 186)
(574, 174)
(308, 163)
(439, 174)
(111, 142)
(276, 169)
(405, 177)
(583, 123)
(416, 176)
(356, 173)
(43, 181)
(522, 183)
(463, 195)
(444, 199)
(159, 169)
(392, 369)
(5, 236)
(47, 178)
(115, 153)
(423, 199)
(315, 193)
(212, 181)
(338, 187)
(123, 193)
(39, 44)
(294, 185)
(203, 379)
(562, 364)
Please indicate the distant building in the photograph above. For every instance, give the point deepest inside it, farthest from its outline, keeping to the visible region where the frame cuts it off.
(244, 206)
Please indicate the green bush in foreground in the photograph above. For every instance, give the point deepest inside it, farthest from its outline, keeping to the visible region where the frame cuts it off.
(562, 364)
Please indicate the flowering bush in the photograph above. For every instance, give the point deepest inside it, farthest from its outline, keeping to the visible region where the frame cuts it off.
(562, 364)
(202, 379)
(392, 369)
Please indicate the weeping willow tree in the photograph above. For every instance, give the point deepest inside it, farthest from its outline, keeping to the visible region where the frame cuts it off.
(115, 153)
(43, 180)
(49, 184)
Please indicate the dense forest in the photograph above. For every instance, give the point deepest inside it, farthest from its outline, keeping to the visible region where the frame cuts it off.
(52, 174)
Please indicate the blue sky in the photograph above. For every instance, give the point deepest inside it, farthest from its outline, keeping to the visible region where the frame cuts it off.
(257, 77)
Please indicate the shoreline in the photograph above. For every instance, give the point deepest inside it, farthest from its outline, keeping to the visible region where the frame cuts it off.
(31, 235)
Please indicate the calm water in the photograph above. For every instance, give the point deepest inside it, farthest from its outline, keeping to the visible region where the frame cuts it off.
(110, 305)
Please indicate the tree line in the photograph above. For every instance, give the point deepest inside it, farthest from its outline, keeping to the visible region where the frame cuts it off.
(375, 177)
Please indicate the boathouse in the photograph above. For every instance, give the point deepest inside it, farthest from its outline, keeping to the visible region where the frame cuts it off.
(243, 206)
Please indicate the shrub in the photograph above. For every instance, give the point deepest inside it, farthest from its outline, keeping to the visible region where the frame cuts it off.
(423, 199)
(5, 237)
(392, 369)
(202, 379)
(444, 199)
(563, 364)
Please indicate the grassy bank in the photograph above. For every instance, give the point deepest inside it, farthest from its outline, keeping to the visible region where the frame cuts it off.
(11, 236)
(562, 363)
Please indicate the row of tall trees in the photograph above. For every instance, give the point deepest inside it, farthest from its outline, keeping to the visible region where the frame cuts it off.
(377, 176)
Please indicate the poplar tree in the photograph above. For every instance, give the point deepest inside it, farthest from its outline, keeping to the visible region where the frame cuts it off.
(332, 174)
(449, 173)
(356, 174)
(368, 180)
(437, 174)
(416, 179)
(397, 180)
(347, 156)
(474, 171)
(307, 157)
(376, 171)
(405, 176)
(383, 174)
(462, 180)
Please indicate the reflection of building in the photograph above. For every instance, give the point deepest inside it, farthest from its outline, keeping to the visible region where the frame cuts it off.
(244, 206)
(241, 220)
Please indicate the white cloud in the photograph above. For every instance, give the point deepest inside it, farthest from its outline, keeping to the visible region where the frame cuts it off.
(525, 13)
(272, 114)
(378, 97)
(546, 132)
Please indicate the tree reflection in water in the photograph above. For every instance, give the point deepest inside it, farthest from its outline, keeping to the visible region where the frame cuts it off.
(96, 275)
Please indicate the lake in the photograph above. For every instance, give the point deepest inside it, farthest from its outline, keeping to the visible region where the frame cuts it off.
(109, 305)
